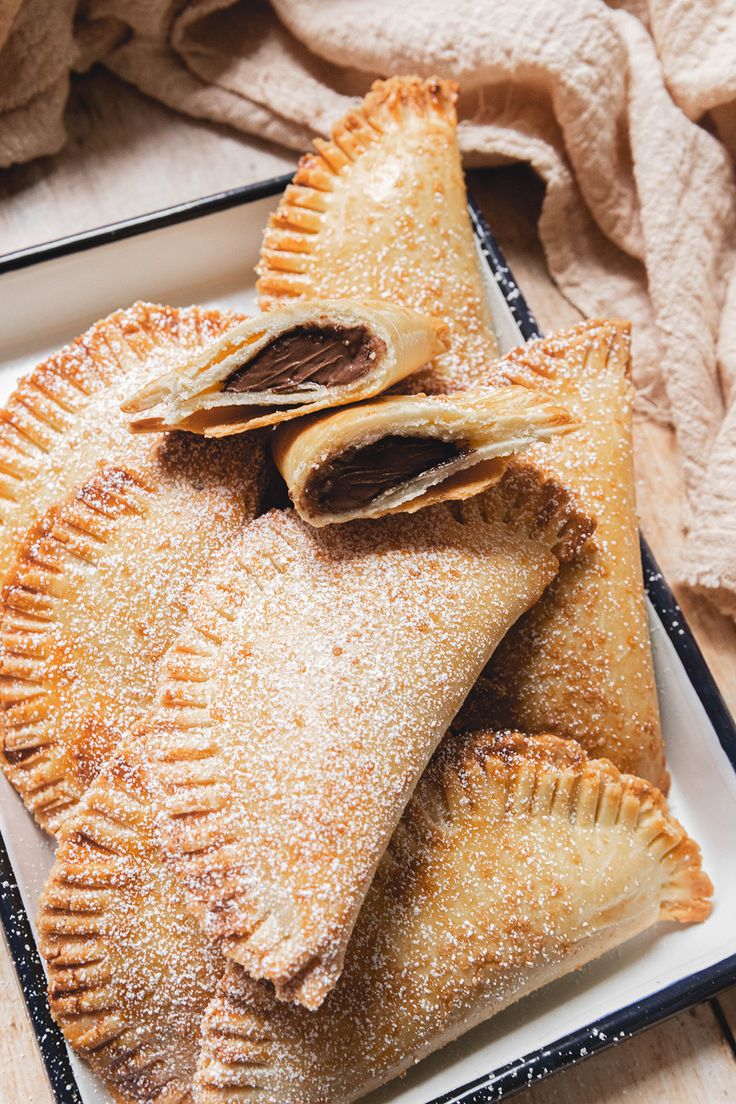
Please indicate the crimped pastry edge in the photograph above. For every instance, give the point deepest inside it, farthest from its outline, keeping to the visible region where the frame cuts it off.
(36, 415)
(688, 889)
(45, 402)
(525, 501)
(114, 826)
(548, 777)
(569, 365)
(287, 242)
(594, 347)
(75, 531)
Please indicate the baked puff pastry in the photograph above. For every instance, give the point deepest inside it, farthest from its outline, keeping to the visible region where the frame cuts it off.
(129, 971)
(517, 861)
(405, 452)
(95, 596)
(317, 672)
(381, 209)
(580, 663)
(287, 363)
(63, 417)
(594, 856)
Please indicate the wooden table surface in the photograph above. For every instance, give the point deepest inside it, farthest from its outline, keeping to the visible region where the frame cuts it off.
(127, 155)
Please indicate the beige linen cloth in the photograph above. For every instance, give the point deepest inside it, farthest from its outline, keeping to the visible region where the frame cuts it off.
(627, 111)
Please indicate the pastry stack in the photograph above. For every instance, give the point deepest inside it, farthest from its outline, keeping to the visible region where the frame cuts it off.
(336, 782)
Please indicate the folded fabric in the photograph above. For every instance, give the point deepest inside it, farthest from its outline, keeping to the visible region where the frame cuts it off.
(603, 101)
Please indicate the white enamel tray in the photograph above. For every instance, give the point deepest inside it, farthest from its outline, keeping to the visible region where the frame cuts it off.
(205, 252)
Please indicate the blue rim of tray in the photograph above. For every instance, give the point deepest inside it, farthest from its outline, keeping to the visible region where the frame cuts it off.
(519, 1074)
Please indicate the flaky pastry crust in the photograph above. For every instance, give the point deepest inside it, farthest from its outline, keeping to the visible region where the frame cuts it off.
(391, 174)
(580, 663)
(95, 596)
(439, 946)
(561, 671)
(517, 860)
(191, 396)
(130, 973)
(486, 427)
(63, 416)
(316, 674)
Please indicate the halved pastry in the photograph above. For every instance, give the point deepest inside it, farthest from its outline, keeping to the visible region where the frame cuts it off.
(381, 209)
(287, 363)
(63, 417)
(317, 672)
(130, 973)
(517, 861)
(405, 452)
(95, 596)
(580, 663)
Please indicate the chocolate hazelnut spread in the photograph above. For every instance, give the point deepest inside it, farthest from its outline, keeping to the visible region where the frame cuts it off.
(358, 476)
(325, 355)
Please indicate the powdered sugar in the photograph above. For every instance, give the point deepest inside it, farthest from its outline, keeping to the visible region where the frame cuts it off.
(98, 585)
(496, 881)
(321, 669)
(580, 663)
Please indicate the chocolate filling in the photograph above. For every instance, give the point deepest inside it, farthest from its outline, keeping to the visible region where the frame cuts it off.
(358, 476)
(325, 355)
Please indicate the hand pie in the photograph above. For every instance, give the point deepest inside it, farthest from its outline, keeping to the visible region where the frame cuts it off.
(287, 363)
(317, 673)
(95, 597)
(63, 416)
(381, 210)
(405, 452)
(129, 971)
(580, 664)
(517, 861)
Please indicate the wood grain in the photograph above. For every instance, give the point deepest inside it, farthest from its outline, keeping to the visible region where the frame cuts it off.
(727, 1004)
(22, 1073)
(683, 1061)
(128, 155)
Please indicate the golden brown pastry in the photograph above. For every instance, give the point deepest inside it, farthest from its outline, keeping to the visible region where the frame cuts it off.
(579, 664)
(95, 596)
(401, 453)
(495, 816)
(129, 971)
(317, 672)
(381, 210)
(289, 362)
(517, 861)
(63, 417)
